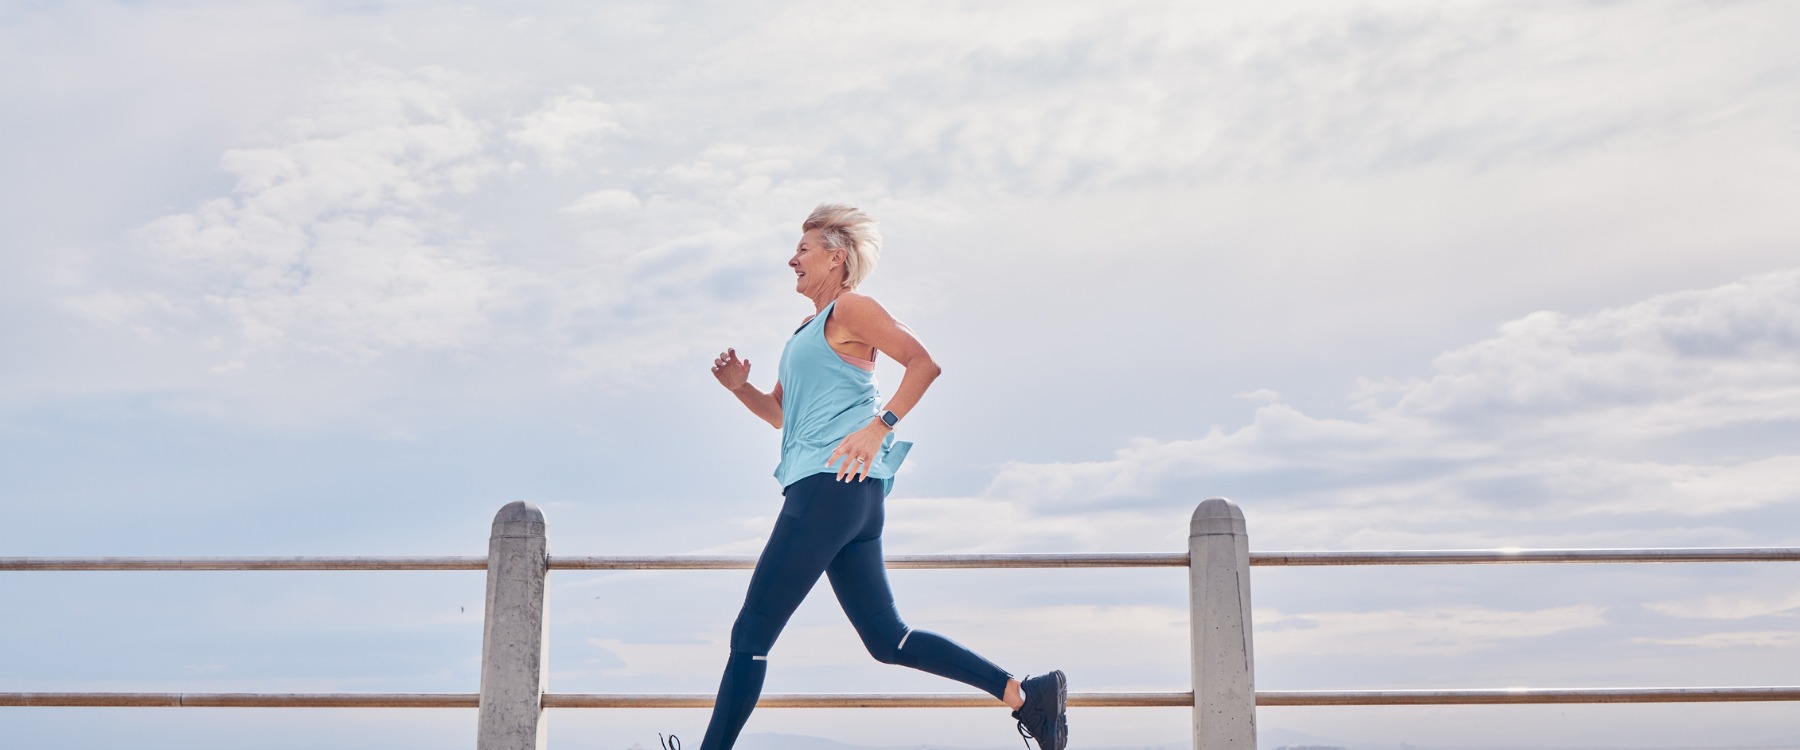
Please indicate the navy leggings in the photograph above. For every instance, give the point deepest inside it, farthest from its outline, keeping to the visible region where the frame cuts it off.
(829, 527)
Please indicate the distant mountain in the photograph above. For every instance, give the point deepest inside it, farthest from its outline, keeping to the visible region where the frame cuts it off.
(1275, 738)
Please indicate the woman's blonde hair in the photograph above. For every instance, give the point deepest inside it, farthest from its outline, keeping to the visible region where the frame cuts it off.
(848, 228)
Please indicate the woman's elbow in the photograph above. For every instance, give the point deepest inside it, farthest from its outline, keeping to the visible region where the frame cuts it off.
(930, 369)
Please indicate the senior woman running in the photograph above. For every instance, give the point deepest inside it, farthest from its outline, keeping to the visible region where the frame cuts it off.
(838, 458)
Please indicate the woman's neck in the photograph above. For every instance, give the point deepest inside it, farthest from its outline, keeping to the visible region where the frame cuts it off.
(825, 296)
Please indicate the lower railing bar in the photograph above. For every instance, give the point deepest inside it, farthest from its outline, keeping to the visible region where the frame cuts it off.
(1523, 695)
(245, 700)
(559, 700)
(1507, 556)
(914, 700)
(894, 562)
(243, 563)
(868, 700)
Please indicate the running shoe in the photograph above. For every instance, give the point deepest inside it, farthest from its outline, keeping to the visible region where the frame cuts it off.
(1042, 717)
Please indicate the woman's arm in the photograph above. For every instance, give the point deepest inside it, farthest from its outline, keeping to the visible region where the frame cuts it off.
(862, 319)
(865, 320)
(734, 374)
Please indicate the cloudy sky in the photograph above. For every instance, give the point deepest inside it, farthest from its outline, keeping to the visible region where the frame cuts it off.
(346, 277)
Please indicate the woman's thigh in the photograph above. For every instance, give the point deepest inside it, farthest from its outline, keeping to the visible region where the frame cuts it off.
(816, 522)
(859, 578)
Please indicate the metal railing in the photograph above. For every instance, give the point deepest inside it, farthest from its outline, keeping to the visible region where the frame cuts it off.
(1223, 700)
(933, 562)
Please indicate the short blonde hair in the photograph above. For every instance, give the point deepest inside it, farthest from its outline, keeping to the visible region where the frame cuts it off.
(848, 228)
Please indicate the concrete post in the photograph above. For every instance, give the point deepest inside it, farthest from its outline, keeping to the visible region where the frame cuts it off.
(512, 639)
(1219, 621)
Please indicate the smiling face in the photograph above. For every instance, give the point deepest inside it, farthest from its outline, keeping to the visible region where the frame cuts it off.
(816, 267)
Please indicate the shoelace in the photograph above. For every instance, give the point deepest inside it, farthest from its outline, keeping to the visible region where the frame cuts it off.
(672, 743)
(1025, 735)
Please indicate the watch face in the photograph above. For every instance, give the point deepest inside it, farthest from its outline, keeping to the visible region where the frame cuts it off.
(890, 418)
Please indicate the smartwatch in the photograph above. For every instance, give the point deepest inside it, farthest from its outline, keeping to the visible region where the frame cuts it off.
(890, 419)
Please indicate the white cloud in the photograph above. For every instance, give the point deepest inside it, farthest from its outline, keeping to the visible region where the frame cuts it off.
(1743, 639)
(1556, 417)
(380, 218)
(1438, 631)
(603, 201)
(356, 233)
(333, 240)
(1675, 363)
(1079, 99)
(1729, 606)
(567, 130)
(1260, 395)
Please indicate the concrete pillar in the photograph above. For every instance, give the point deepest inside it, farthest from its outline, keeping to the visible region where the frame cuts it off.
(1219, 621)
(512, 639)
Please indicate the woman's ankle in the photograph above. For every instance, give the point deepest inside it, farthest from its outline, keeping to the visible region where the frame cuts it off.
(1015, 694)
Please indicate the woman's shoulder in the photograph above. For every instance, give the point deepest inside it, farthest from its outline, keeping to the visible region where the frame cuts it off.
(857, 304)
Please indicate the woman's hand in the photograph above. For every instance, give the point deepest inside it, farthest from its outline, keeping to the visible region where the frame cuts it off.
(858, 451)
(734, 374)
(731, 371)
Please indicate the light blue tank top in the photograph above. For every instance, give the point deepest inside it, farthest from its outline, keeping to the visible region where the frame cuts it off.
(823, 400)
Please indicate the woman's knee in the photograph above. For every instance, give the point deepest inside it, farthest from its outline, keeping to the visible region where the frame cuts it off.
(886, 646)
(754, 633)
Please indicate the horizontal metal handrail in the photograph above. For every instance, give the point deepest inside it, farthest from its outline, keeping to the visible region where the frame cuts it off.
(934, 562)
(244, 563)
(561, 700)
(1521, 556)
(893, 562)
(1186, 699)
(855, 700)
(1523, 695)
(916, 700)
(245, 700)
